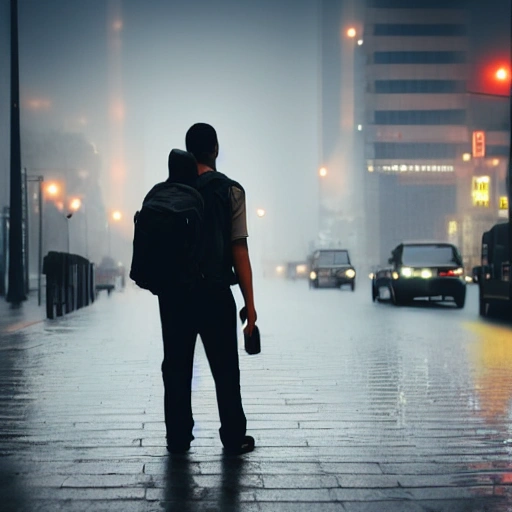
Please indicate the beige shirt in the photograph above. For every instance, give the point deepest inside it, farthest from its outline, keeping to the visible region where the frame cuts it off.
(238, 208)
(239, 214)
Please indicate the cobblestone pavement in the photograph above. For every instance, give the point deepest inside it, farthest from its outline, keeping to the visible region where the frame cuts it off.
(355, 407)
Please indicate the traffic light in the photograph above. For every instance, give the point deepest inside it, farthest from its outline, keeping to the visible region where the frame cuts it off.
(491, 78)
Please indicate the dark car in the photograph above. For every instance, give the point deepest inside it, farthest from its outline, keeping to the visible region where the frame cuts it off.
(493, 276)
(108, 275)
(431, 270)
(331, 267)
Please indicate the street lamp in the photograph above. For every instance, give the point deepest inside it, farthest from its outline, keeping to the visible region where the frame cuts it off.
(351, 32)
(115, 216)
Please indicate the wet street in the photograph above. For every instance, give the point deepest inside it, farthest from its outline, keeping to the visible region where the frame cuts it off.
(355, 406)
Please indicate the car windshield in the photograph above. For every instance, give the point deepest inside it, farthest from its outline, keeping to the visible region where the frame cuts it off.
(429, 255)
(327, 258)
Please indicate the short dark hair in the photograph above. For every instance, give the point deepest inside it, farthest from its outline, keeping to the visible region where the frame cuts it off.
(182, 167)
(201, 141)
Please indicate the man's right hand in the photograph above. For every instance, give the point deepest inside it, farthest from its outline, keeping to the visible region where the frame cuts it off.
(251, 321)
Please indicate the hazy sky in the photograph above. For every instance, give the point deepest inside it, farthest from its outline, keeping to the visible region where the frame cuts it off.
(249, 68)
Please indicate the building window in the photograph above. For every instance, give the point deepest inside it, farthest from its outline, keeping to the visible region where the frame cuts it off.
(381, 29)
(420, 86)
(415, 150)
(420, 117)
(496, 150)
(419, 57)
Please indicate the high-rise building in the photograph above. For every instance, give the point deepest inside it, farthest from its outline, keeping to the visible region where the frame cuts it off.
(416, 132)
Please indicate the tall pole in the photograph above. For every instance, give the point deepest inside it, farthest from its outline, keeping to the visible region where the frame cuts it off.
(509, 176)
(40, 252)
(16, 287)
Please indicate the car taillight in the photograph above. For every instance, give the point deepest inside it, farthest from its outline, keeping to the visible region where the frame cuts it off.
(453, 272)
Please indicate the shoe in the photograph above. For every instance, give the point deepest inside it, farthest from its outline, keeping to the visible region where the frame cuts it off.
(246, 446)
(180, 447)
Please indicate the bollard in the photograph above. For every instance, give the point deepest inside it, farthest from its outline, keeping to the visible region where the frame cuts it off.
(69, 283)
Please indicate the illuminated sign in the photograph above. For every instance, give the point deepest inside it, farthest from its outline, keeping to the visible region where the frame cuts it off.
(412, 168)
(478, 144)
(503, 203)
(480, 191)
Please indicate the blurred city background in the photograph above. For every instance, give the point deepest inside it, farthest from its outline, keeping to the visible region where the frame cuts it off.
(351, 124)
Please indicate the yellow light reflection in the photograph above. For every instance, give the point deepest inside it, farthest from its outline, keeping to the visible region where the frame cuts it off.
(492, 357)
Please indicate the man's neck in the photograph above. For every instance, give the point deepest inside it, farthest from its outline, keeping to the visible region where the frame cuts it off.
(202, 168)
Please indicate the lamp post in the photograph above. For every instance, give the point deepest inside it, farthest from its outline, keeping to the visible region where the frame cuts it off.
(16, 289)
(322, 175)
(74, 205)
(502, 74)
(115, 216)
(39, 179)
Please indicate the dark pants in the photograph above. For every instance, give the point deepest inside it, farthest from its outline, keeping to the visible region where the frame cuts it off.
(211, 313)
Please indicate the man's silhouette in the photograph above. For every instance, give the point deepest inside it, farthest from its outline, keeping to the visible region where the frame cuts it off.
(209, 309)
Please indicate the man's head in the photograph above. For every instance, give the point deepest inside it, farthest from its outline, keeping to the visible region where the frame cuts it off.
(201, 141)
(182, 167)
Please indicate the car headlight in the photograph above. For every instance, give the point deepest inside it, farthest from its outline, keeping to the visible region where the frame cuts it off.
(395, 275)
(301, 269)
(350, 273)
(406, 272)
(371, 275)
(312, 275)
(426, 273)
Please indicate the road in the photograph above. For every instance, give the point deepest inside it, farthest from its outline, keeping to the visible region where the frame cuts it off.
(355, 406)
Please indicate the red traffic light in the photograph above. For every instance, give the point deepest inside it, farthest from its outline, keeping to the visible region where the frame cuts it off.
(502, 74)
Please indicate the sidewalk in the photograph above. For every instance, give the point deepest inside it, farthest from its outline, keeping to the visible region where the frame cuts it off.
(16, 317)
(82, 425)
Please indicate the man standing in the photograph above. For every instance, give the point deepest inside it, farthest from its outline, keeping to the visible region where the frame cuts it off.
(209, 309)
(225, 262)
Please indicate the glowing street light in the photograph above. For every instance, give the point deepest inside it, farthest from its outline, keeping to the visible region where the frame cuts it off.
(351, 32)
(75, 204)
(117, 215)
(53, 189)
(322, 172)
(260, 212)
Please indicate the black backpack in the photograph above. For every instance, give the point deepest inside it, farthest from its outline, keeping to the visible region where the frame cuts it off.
(167, 238)
(216, 260)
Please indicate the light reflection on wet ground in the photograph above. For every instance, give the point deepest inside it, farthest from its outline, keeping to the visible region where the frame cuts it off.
(354, 406)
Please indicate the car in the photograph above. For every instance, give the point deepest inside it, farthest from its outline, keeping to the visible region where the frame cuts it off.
(331, 267)
(296, 270)
(431, 270)
(108, 275)
(493, 276)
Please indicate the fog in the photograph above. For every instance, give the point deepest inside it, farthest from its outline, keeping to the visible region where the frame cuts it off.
(130, 77)
(109, 87)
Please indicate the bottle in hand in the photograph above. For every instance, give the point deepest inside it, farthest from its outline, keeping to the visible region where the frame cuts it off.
(252, 343)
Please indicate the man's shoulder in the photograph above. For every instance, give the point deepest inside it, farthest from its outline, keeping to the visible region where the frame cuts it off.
(217, 179)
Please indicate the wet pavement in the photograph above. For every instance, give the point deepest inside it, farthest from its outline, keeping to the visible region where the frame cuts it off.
(355, 407)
